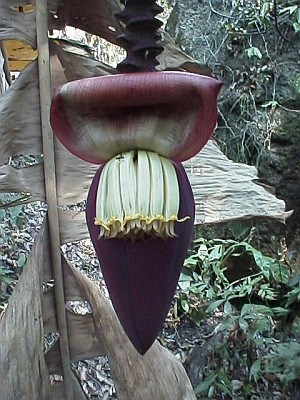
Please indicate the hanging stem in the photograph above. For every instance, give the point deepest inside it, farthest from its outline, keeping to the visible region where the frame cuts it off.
(141, 35)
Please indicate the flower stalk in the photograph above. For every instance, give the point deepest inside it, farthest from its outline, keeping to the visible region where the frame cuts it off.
(141, 35)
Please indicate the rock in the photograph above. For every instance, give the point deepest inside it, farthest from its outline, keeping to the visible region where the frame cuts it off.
(197, 360)
(236, 385)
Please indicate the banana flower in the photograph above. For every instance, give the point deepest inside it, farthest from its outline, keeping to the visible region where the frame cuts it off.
(140, 209)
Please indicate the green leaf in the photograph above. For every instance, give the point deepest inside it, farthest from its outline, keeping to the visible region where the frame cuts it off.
(255, 370)
(243, 324)
(294, 280)
(198, 289)
(185, 278)
(6, 279)
(22, 260)
(185, 305)
(225, 389)
(206, 384)
(211, 392)
(253, 52)
(227, 307)
(216, 253)
(15, 211)
(227, 323)
(210, 294)
(292, 297)
(290, 9)
(280, 311)
(256, 309)
(214, 305)
(266, 8)
(246, 309)
(192, 260)
(296, 26)
(184, 286)
(202, 252)
(267, 293)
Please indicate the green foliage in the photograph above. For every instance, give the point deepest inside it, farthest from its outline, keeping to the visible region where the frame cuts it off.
(293, 296)
(213, 383)
(293, 12)
(255, 16)
(296, 81)
(8, 200)
(256, 33)
(250, 310)
(5, 277)
(203, 277)
(253, 52)
(284, 363)
(10, 216)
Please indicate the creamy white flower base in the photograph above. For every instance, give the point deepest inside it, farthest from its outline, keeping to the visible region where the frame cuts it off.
(138, 196)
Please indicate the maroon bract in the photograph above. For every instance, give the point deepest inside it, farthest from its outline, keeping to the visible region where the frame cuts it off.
(141, 276)
(171, 113)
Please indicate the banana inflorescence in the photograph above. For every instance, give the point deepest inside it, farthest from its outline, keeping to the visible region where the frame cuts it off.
(137, 197)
